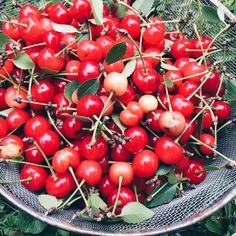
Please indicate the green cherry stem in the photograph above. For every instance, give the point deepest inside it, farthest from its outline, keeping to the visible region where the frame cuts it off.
(117, 196)
(34, 45)
(167, 94)
(155, 193)
(13, 23)
(16, 181)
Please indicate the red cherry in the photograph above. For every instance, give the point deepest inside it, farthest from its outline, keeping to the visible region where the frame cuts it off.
(212, 82)
(33, 53)
(222, 110)
(131, 23)
(186, 135)
(70, 41)
(38, 177)
(130, 47)
(59, 85)
(128, 96)
(153, 35)
(168, 151)
(182, 165)
(192, 69)
(6, 69)
(187, 88)
(129, 118)
(201, 44)
(29, 10)
(12, 94)
(95, 152)
(174, 75)
(140, 65)
(152, 52)
(11, 30)
(3, 91)
(178, 48)
(104, 163)
(105, 42)
(207, 118)
(60, 187)
(80, 10)
(59, 14)
(145, 163)
(174, 35)
(33, 155)
(138, 139)
(182, 62)
(209, 140)
(52, 40)
(71, 127)
(119, 153)
(88, 70)
(72, 66)
(106, 186)
(62, 102)
(46, 24)
(153, 120)
(90, 171)
(3, 127)
(114, 67)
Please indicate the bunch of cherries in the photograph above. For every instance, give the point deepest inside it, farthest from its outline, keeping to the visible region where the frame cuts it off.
(113, 140)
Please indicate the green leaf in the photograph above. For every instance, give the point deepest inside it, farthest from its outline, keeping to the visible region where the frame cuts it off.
(116, 53)
(121, 11)
(221, 14)
(166, 66)
(48, 202)
(97, 9)
(61, 232)
(163, 169)
(196, 150)
(19, 158)
(129, 68)
(215, 227)
(70, 88)
(210, 14)
(199, 123)
(143, 6)
(4, 39)
(96, 202)
(116, 119)
(5, 113)
(135, 212)
(172, 177)
(230, 87)
(169, 82)
(23, 61)
(88, 87)
(166, 194)
(64, 28)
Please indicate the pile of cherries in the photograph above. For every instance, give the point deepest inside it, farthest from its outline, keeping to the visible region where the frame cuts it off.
(166, 111)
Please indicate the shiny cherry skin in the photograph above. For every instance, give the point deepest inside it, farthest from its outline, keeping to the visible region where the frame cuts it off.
(119, 153)
(152, 52)
(201, 44)
(90, 171)
(131, 23)
(106, 186)
(73, 66)
(69, 40)
(207, 119)
(222, 110)
(80, 10)
(7, 68)
(121, 171)
(168, 151)
(105, 42)
(178, 48)
(29, 10)
(145, 164)
(186, 135)
(3, 104)
(104, 163)
(59, 14)
(12, 93)
(138, 139)
(71, 127)
(59, 85)
(60, 187)
(89, 105)
(182, 165)
(174, 75)
(38, 177)
(62, 102)
(49, 142)
(16, 118)
(12, 31)
(187, 88)
(114, 67)
(3, 127)
(209, 140)
(153, 35)
(174, 35)
(52, 40)
(126, 196)
(65, 158)
(128, 96)
(195, 172)
(33, 155)
(212, 82)
(182, 62)
(97, 151)
(153, 120)
(88, 70)
(191, 71)
(36, 125)
(130, 47)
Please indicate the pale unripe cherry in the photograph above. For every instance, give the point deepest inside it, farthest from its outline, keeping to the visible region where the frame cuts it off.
(148, 103)
(74, 97)
(10, 151)
(116, 82)
(110, 106)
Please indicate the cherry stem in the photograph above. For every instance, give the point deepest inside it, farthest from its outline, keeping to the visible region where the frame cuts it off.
(67, 1)
(38, 103)
(117, 196)
(163, 186)
(93, 140)
(16, 181)
(10, 80)
(55, 127)
(226, 124)
(167, 94)
(13, 23)
(78, 186)
(191, 76)
(30, 81)
(209, 53)
(46, 160)
(34, 45)
(136, 193)
(232, 162)
(162, 22)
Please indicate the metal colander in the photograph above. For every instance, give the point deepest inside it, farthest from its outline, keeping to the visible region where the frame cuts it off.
(218, 188)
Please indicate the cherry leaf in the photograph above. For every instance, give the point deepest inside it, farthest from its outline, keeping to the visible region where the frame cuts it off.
(5, 113)
(166, 66)
(4, 39)
(210, 14)
(96, 202)
(163, 169)
(143, 6)
(135, 212)
(97, 9)
(19, 158)
(64, 28)
(23, 61)
(116, 53)
(169, 82)
(129, 68)
(88, 87)
(70, 88)
(48, 202)
(116, 120)
(221, 14)
(121, 11)
(172, 177)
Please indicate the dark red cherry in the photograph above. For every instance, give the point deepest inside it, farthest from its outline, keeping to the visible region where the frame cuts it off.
(59, 14)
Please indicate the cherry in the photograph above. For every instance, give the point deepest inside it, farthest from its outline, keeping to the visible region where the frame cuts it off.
(148, 103)
(187, 88)
(105, 42)
(145, 163)
(182, 105)
(70, 41)
(114, 67)
(38, 176)
(174, 35)
(172, 123)
(72, 66)
(80, 10)
(33, 53)
(186, 135)
(121, 169)
(6, 69)
(209, 140)
(12, 30)
(126, 196)
(192, 69)
(59, 85)
(90, 171)
(47, 60)
(46, 24)
(153, 120)
(33, 155)
(147, 80)
(128, 118)
(129, 47)
(12, 94)
(29, 10)
(88, 70)
(52, 40)
(131, 23)
(104, 164)
(60, 187)
(178, 48)
(207, 118)
(201, 44)
(3, 127)
(89, 105)
(128, 96)
(3, 103)
(153, 35)
(62, 102)
(140, 64)
(168, 151)
(182, 62)
(195, 172)
(138, 139)
(182, 165)
(174, 75)
(152, 52)
(119, 153)
(59, 14)
(106, 186)
(95, 152)
(16, 118)
(65, 158)
(12, 147)
(36, 126)
(222, 110)
(71, 127)
(212, 82)
(49, 142)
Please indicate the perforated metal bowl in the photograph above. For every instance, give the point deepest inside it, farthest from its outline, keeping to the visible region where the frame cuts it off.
(218, 188)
